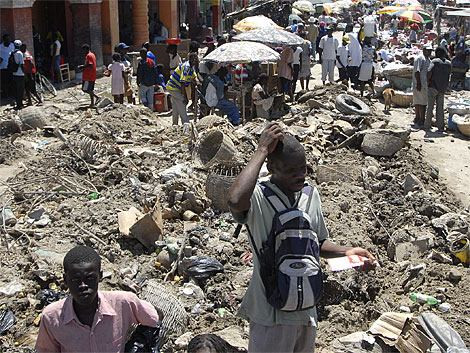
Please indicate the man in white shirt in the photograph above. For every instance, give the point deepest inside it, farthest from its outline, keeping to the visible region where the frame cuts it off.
(296, 67)
(18, 75)
(328, 47)
(6, 47)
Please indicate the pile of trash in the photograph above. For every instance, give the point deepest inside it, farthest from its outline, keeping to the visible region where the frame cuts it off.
(152, 201)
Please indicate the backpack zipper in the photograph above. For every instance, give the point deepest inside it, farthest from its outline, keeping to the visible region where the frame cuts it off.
(300, 289)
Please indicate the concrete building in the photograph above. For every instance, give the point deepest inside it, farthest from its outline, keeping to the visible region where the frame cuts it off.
(104, 23)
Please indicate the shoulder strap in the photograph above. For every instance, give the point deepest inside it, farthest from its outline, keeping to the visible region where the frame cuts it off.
(273, 199)
(307, 192)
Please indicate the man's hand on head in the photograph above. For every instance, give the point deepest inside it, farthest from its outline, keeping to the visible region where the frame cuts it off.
(271, 135)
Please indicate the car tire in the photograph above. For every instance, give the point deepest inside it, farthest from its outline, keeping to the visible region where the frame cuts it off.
(351, 105)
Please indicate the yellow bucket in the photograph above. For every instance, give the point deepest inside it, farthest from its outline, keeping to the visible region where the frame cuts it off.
(461, 249)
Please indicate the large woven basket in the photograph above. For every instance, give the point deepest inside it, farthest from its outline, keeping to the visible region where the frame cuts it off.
(212, 148)
(402, 99)
(219, 182)
(463, 124)
(175, 318)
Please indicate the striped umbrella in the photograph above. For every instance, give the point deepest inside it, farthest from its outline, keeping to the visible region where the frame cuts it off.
(410, 16)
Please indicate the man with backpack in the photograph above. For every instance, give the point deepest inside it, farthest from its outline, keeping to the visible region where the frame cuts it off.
(15, 65)
(287, 233)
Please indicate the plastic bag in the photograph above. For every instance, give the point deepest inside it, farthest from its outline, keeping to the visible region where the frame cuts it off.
(7, 320)
(203, 267)
(144, 339)
(48, 296)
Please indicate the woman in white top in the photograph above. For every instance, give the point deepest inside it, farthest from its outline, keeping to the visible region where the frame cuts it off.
(116, 70)
(261, 99)
(175, 59)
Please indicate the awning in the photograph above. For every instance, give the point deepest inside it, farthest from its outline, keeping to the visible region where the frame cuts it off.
(459, 13)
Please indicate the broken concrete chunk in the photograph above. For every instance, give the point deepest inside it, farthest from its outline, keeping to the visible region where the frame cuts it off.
(337, 172)
(384, 142)
(404, 246)
(451, 222)
(454, 275)
(412, 183)
(32, 118)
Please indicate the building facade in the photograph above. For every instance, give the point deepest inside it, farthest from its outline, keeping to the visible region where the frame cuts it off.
(104, 23)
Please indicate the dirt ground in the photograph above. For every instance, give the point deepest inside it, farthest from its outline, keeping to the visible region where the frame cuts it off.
(82, 185)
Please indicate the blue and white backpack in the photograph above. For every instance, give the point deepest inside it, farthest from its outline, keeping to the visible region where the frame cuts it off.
(290, 258)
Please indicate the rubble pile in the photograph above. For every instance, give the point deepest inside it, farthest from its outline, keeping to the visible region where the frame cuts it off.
(150, 199)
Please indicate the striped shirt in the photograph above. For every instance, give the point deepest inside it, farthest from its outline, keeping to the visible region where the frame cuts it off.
(183, 75)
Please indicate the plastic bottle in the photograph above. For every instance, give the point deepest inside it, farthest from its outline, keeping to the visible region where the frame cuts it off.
(423, 298)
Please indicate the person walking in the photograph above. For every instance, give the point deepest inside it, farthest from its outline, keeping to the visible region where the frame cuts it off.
(420, 84)
(328, 47)
(179, 88)
(438, 74)
(312, 34)
(116, 69)
(146, 79)
(6, 47)
(18, 74)
(296, 64)
(285, 70)
(89, 74)
(29, 69)
(367, 73)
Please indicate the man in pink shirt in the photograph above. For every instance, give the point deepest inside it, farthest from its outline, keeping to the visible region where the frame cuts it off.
(90, 320)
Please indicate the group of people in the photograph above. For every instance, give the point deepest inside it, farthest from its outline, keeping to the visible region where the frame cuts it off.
(18, 70)
(430, 83)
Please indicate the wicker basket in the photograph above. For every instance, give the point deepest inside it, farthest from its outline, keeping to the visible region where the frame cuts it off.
(219, 182)
(175, 318)
(402, 99)
(463, 124)
(214, 147)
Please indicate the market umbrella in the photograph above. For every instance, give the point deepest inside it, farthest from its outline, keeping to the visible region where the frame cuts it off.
(242, 52)
(410, 16)
(390, 10)
(254, 22)
(426, 17)
(415, 7)
(272, 37)
(304, 6)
